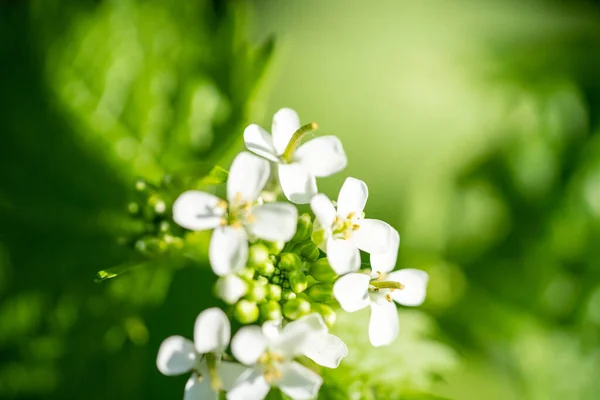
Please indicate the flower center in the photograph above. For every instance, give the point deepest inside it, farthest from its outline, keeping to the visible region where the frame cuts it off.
(379, 286)
(236, 213)
(271, 365)
(343, 228)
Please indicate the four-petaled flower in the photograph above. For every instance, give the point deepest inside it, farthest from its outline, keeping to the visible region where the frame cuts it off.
(297, 168)
(270, 353)
(178, 355)
(344, 231)
(233, 221)
(380, 289)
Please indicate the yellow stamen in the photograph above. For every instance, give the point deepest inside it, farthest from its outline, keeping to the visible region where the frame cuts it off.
(388, 297)
(222, 204)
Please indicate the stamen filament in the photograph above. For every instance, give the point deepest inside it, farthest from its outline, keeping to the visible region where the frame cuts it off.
(295, 141)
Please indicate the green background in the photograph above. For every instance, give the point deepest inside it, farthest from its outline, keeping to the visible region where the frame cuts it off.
(474, 123)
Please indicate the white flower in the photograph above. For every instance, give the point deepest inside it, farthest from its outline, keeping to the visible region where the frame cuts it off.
(407, 287)
(346, 230)
(297, 169)
(178, 355)
(233, 221)
(270, 352)
(231, 288)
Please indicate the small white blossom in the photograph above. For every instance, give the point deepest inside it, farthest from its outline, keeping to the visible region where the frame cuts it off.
(234, 220)
(346, 230)
(178, 355)
(355, 291)
(270, 353)
(319, 157)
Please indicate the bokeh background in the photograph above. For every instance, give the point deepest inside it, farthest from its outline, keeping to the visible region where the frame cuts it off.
(474, 123)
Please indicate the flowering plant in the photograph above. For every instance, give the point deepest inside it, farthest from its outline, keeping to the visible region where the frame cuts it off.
(286, 271)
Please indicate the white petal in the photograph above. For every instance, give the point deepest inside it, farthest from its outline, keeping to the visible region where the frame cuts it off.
(232, 374)
(325, 349)
(228, 250)
(274, 221)
(298, 185)
(197, 210)
(293, 338)
(343, 255)
(231, 288)
(247, 177)
(415, 286)
(323, 156)
(383, 327)
(285, 123)
(386, 261)
(198, 388)
(248, 344)
(260, 142)
(374, 236)
(212, 331)
(351, 291)
(323, 209)
(271, 329)
(352, 197)
(176, 356)
(299, 382)
(252, 386)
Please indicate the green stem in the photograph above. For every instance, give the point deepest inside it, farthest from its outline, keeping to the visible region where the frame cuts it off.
(295, 141)
(215, 381)
(386, 284)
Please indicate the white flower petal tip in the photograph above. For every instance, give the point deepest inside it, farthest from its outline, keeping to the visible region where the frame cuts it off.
(231, 288)
(299, 382)
(352, 197)
(386, 261)
(249, 344)
(322, 156)
(297, 184)
(343, 255)
(415, 286)
(248, 176)
(374, 236)
(351, 291)
(176, 356)
(212, 331)
(260, 142)
(383, 325)
(323, 209)
(285, 123)
(274, 221)
(198, 211)
(326, 349)
(228, 249)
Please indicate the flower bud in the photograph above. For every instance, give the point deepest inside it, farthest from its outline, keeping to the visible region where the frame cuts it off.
(289, 262)
(303, 228)
(247, 273)
(151, 246)
(266, 269)
(230, 288)
(270, 311)
(321, 292)
(326, 312)
(274, 292)
(257, 293)
(285, 284)
(258, 254)
(296, 308)
(246, 312)
(275, 247)
(322, 271)
(262, 280)
(298, 281)
(276, 279)
(287, 294)
(318, 236)
(309, 250)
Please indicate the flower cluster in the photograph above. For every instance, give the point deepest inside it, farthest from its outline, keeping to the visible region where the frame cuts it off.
(284, 271)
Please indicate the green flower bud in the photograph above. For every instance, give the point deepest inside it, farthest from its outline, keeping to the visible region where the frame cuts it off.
(274, 292)
(304, 228)
(318, 236)
(311, 281)
(258, 254)
(309, 250)
(266, 269)
(246, 312)
(298, 281)
(275, 247)
(296, 308)
(322, 271)
(285, 284)
(257, 293)
(247, 273)
(151, 246)
(289, 262)
(262, 280)
(270, 311)
(326, 312)
(276, 279)
(321, 292)
(287, 294)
